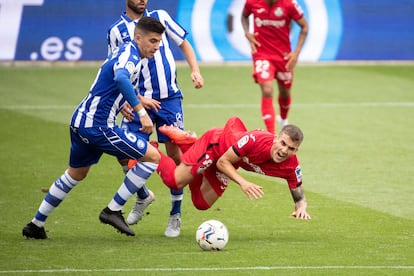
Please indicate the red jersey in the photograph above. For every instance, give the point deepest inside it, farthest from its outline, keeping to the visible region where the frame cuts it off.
(252, 146)
(254, 149)
(273, 24)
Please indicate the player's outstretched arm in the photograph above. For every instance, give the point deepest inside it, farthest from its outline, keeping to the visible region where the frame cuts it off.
(225, 165)
(301, 204)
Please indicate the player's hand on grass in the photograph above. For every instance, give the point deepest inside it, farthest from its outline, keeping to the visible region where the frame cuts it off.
(301, 214)
(300, 211)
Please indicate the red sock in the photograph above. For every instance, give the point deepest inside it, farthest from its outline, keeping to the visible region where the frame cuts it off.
(284, 106)
(166, 169)
(268, 113)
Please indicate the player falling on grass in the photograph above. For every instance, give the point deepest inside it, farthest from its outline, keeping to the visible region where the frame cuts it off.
(158, 82)
(272, 55)
(210, 162)
(93, 131)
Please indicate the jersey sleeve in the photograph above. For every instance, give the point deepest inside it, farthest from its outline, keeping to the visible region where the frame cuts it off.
(113, 37)
(247, 8)
(296, 10)
(124, 85)
(294, 178)
(174, 31)
(244, 145)
(119, 32)
(125, 68)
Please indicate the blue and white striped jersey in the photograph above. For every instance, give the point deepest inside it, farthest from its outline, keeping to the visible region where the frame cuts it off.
(158, 79)
(104, 101)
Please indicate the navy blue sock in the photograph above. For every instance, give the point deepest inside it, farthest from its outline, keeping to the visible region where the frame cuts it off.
(143, 192)
(176, 199)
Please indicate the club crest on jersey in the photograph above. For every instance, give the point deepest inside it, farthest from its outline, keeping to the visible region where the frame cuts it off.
(279, 12)
(243, 141)
(141, 144)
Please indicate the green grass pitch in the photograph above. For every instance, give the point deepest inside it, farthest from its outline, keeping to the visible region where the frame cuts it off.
(357, 160)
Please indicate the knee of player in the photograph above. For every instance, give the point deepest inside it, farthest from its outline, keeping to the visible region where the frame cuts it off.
(200, 203)
(152, 156)
(77, 174)
(201, 207)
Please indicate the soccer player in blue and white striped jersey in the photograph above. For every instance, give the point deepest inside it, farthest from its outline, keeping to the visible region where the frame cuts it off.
(93, 131)
(158, 81)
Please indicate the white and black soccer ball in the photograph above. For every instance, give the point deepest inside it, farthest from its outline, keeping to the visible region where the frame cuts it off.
(212, 235)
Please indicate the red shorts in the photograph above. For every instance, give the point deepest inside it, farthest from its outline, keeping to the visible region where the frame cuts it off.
(217, 180)
(202, 156)
(267, 70)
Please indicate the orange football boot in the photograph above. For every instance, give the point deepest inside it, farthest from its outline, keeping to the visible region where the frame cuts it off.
(177, 135)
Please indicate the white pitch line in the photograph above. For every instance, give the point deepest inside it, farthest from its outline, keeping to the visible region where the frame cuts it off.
(69, 270)
(329, 105)
(227, 106)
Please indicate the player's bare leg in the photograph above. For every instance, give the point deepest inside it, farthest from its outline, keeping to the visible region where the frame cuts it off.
(210, 196)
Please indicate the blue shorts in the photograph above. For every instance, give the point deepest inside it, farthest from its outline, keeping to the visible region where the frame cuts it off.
(88, 145)
(171, 113)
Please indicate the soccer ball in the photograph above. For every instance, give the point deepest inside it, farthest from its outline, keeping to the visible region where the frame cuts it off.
(212, 235)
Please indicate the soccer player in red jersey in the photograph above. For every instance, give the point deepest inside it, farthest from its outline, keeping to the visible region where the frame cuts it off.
(212, 161)
(272, 55)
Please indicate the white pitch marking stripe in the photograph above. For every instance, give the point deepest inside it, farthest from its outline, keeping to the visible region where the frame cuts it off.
(221, 106)
(364, 104)
(204, 269)
(37, 107)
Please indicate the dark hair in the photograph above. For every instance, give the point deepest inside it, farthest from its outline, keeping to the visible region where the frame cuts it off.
(293, 132)
(148, 24)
